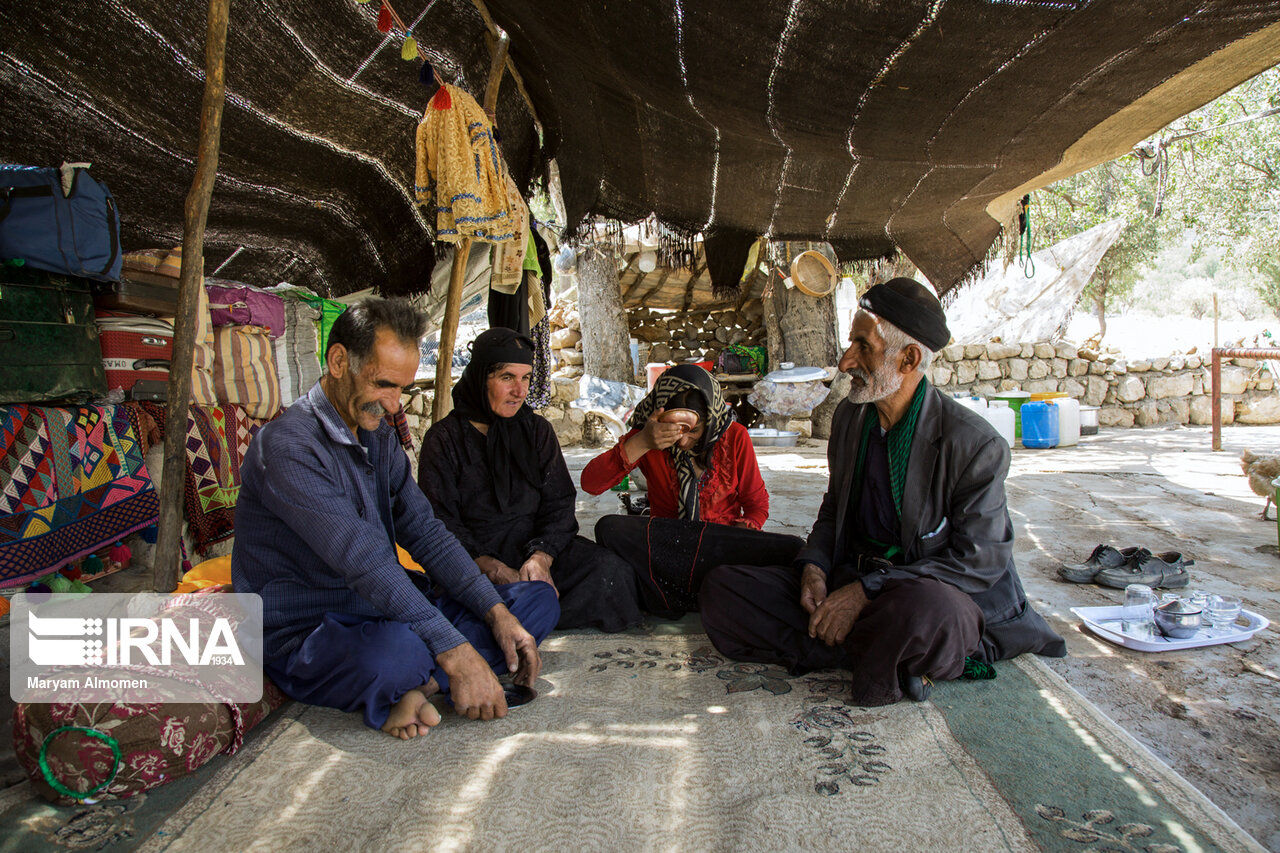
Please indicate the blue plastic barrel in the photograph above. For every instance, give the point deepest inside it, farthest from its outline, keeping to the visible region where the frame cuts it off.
(1039, 424)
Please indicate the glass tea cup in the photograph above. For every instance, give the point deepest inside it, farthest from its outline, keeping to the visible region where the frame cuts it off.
(1138, 617)
(1221, 612)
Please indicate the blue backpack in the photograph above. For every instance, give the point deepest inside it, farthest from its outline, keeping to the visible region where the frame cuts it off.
(59, 220)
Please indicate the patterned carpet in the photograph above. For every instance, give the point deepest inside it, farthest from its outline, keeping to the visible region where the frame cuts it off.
(72, 479)
(648, 742)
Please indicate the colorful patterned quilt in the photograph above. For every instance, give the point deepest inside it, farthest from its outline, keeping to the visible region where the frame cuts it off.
(71, 481)
(217, 439)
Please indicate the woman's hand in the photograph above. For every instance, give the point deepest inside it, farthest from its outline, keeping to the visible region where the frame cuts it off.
(655, 435)
(659, 435)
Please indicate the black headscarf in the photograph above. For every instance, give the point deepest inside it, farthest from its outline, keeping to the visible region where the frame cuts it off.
(671, 383)
(511, 443)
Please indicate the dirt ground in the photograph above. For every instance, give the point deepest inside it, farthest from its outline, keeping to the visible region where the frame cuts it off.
(1211, 713)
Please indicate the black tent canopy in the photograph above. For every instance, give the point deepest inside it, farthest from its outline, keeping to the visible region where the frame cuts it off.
(870, 125)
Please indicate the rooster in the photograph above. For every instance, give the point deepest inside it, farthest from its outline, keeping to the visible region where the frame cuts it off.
(1261, 470)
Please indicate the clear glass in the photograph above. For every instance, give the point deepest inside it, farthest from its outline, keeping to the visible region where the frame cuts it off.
(1138, 616)
(1196, 598)
(1221, 613)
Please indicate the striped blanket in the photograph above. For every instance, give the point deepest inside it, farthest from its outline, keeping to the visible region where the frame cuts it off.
(71, 481)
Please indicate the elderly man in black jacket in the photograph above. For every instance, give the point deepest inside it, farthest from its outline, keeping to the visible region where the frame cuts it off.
(909, 568)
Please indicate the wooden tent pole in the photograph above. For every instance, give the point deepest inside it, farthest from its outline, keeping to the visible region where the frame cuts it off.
(166, 565)
(443, 402)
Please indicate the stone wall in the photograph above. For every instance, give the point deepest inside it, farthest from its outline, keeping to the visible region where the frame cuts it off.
(677, 337)
(1173, 390)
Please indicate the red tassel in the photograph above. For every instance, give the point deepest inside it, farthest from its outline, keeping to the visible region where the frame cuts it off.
(384, 19)
(73, 573)
(441, 101)
(121, 554)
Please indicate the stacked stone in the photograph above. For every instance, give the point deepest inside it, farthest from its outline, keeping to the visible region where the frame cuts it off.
(417, 413)
(566, 342)
(699, 335)
(1172, 390)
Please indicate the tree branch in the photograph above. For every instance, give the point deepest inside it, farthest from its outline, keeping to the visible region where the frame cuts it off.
(1264, 168)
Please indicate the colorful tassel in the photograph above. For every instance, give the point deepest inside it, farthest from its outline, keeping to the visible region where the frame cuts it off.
(92, 564)
(384, 19)
(38, 588)
(73, 573)
(150, 534)
(427, 75)
(441, 101)
(120, 553)
(56, 583)
(80, 587)
(409, 50)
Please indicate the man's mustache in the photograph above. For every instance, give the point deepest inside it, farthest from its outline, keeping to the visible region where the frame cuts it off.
(373, 409)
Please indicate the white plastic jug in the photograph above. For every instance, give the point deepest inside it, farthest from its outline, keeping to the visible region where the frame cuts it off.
(975, 403)
(1068, 421)
(1000, 416)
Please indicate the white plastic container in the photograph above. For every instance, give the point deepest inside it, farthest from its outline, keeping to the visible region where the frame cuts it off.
(1000, 416)
(1068, 421)
(977, 404)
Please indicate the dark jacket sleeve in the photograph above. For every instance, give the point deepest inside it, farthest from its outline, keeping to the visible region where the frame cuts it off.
(556, 522)
(820, 549)
(439, 473)
(977, 551)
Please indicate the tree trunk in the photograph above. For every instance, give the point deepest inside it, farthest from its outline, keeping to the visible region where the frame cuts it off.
(1100, 308)
(606, 343)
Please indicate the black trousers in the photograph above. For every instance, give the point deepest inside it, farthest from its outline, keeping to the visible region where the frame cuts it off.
(597, 588)
(916, 627)
(671, 556)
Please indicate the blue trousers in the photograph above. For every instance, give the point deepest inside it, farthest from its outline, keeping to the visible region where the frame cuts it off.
(354, 663)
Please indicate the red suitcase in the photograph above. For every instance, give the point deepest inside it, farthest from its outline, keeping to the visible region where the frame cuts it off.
(134, 348)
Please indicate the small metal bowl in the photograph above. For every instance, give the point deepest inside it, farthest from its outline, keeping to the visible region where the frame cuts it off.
(1177, 621)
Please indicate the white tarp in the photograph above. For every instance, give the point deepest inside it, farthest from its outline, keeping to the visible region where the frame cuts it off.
(1008, 305)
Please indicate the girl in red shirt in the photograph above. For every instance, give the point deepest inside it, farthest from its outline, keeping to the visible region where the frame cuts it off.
(707, 501)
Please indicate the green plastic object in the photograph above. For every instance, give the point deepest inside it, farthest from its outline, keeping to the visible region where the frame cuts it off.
(1275, 485)
(1015, 399)
(117, 757)
(624, 485)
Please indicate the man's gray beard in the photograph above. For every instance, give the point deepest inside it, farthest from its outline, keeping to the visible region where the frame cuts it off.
(877, 386)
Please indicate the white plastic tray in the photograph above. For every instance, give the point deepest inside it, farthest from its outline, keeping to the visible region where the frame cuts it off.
(1106, 623)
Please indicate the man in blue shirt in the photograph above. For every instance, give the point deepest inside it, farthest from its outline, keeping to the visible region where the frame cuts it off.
(326, 493)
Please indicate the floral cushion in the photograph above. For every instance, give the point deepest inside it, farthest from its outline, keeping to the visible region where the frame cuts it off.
(155, 743)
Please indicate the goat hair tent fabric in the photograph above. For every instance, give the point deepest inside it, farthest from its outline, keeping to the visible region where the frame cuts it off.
(873, 126)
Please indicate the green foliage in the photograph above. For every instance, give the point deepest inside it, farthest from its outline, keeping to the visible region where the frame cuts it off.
(1220, 196)
(1268, 283)
(1226, 182)
(1117, 189)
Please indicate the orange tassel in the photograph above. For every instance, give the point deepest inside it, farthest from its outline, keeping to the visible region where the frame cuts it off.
(441, 101)
(384, 19)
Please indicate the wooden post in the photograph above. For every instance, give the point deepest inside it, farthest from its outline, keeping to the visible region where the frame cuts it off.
(167, 560)
(443, 401)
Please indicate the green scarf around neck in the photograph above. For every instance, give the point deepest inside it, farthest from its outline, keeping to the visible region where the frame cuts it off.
(898, 439)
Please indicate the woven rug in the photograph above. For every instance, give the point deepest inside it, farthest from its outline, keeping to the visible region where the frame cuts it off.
(217, 439)
(71, 480)
(647, 742)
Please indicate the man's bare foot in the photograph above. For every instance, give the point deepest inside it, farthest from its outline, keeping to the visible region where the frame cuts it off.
(413, 715)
